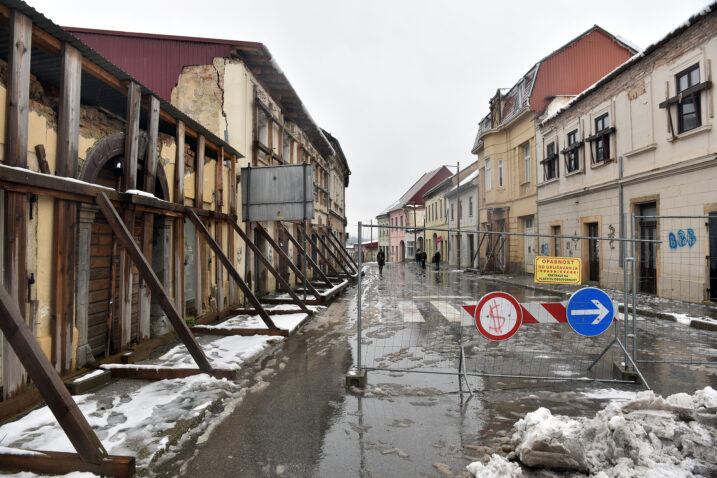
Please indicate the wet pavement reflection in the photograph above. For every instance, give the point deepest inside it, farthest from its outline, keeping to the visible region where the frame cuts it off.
(296, 418)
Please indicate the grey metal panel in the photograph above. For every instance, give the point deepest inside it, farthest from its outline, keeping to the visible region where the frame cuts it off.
(278, 193)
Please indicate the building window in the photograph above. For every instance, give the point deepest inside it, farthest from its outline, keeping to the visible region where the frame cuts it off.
(286, 148)
(602, 141)
(550, 163)
(470, 206)
(401, 220)
(262, 134)
(572, 152)
(526, 161)
(500, 173)
(460, 209)
(689, 114)
(452, 215)
(487, 174)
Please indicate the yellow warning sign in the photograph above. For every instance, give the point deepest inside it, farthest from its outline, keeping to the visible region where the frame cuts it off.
(557, 270)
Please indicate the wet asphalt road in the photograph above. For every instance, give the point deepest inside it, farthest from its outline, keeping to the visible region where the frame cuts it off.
(297, 418)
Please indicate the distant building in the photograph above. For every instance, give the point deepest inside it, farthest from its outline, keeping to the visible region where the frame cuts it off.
(505, 142)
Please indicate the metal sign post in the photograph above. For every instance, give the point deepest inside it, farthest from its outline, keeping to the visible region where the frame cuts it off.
(358, 303)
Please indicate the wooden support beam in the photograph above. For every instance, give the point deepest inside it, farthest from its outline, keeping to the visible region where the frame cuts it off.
(346, 270)
(219, 229)
(166, 373)
(321, 255)
(198, 203)
(61, 463)
(131, 141)
(281, 252)
(232, 271)
(224, 331)
(296, 300)
(16, 119)
(45, 377)
(178, 228)
(65, 216)
(309, 260)
(146, 272)
(342, 249)
(150, 172)
(339, 257)
(231, 251)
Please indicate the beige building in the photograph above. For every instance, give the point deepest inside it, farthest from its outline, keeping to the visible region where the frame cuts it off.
(505, 142)
(641, 141)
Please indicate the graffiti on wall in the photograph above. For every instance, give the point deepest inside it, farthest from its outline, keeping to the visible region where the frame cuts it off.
(682, 238)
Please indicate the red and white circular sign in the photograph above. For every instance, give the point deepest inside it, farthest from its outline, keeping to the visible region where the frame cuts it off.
(498, 316)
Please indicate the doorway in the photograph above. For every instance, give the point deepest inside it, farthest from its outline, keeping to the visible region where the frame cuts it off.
(471, 249)
(593, 252)
(648, 250)
(528, 244)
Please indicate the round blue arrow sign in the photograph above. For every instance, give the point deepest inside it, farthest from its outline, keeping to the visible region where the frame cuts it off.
(590, 311)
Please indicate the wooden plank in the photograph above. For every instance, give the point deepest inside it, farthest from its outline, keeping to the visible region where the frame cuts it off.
(331, 253)
(146, 272)
(179, 164)
(42, 159)
(321, 255)
(225, 331)
(53, 391)
(199, 203)
(125, 289)
(167, 373)
(20, 403)
(16, 119)
(60, 463)
(266, 300)
(309, 260)
(340, 257)
(232, 271)
(342, 249)
(296, 300)
(131, 142)
(68, 123)
(271, 311)
(231, 251)
(150, 170)
(282, 253)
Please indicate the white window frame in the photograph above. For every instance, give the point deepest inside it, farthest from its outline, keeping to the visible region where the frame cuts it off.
(488, 174)
(500, 173)
(526, 161)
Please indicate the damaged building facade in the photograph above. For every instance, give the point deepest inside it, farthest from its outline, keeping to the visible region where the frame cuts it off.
(84, 143)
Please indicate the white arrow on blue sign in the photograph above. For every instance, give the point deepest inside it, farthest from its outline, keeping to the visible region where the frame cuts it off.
(590, 311)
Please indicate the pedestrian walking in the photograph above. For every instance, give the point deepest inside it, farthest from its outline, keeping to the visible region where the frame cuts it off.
(437, 259)
(381, 258)
(418, 257)
(424, 256)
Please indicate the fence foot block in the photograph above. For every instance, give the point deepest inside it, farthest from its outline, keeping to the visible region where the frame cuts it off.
(356, 378)
(96, 379)
(621, 373)
(54, 462)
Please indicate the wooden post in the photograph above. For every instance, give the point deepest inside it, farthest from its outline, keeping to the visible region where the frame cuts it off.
(219, 230)
(342, 249)
(338, 257)
(47, 380)
(178, 230)
(331, 253)
(129, 180)
(65, 217)
(309, 260)
(18, 94)
(150, 175)
(232, 181)
(199, 204)
(146, 272)
(232, 271)
(281, 252)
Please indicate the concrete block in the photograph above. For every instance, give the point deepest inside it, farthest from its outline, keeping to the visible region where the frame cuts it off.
(356, 378)
(619, 372)
(89, 381)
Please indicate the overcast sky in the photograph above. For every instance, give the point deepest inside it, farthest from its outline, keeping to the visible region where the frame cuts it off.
(401, 84)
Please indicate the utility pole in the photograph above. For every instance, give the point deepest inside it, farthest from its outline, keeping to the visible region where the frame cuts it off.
(415, 243)
(458, 201)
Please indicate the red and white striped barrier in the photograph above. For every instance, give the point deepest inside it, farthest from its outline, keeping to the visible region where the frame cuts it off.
(533, 313)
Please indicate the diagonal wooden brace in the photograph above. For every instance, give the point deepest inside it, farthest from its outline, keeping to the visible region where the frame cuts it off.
(309, 260)
(346, 270)
(342, 249)
(321, 255)
(338, 256)
(281, 252)
(230, 267)
(48, 382)
(270, 267)
(147, 274)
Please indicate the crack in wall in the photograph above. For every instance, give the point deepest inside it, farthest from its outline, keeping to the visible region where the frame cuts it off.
(221, 107)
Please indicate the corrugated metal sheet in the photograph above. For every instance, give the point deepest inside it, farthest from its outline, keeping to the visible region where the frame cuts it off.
(156, 62)
(577, 66)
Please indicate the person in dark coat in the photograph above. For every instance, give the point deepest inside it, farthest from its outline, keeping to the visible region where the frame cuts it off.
(381, 258)
(424, 256)
(437, 259)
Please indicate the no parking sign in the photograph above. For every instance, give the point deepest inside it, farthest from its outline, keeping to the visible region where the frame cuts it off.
(498, 316)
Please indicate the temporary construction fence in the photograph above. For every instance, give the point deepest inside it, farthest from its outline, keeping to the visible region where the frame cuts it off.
(412, 319)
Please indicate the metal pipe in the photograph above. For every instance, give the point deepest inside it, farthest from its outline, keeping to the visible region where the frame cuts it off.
(460, 210)
(358, 303)
(634, 295)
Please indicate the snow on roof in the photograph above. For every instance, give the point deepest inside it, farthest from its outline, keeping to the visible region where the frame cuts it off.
(464, 182)
(632, 60)
(412, 191)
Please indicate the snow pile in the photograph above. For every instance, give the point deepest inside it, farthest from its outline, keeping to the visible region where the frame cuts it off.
(673, 436)
(497, 467)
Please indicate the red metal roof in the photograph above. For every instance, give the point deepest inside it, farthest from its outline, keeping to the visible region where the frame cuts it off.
(156, 60)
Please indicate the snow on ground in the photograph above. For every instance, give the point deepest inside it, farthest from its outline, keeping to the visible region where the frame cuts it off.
(145, 419)
(647, 436)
